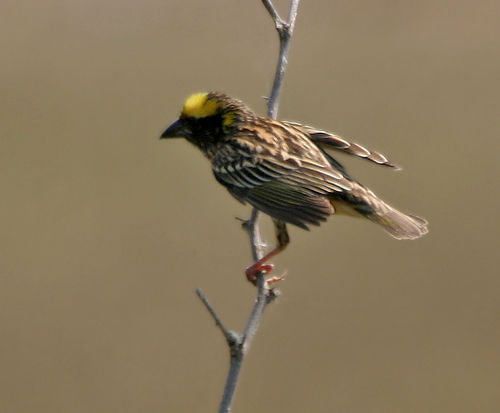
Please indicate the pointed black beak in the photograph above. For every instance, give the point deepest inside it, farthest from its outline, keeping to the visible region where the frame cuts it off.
(174, 130)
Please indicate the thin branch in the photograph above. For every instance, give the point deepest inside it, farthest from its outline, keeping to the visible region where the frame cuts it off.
(231, 337)
(273, 13)
(251, 225)
(285, 31)
(240, 345)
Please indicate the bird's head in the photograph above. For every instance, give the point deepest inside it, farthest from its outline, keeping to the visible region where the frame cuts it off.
(207, 117)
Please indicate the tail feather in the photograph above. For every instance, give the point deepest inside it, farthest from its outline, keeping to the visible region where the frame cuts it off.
(400, 225)
(366, 203)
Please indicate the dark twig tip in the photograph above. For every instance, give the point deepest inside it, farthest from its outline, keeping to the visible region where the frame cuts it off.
(272, 294)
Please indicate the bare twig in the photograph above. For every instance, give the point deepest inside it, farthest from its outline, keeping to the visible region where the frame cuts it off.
(231, 336)
(239, 345)
(252, 227)
(285, 31)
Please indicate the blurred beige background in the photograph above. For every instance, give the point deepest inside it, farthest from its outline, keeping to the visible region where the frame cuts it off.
(106, 231)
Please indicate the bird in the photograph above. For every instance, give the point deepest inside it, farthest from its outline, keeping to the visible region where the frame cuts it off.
(284, 170)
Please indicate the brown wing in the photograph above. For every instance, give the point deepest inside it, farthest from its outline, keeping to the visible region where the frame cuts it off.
(289, 188)
(328, 140)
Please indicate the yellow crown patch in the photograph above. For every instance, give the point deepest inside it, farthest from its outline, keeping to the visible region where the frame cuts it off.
(199, 106)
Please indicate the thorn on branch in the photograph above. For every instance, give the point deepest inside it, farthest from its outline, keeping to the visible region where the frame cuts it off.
(245, 222)
(272, 294)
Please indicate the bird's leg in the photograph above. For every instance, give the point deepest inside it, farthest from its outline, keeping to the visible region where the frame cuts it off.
(260, 266)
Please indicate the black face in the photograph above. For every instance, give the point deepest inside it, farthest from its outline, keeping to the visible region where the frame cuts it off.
(202, 132)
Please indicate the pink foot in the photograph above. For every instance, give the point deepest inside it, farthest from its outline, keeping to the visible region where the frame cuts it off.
(273, 280)
(254, 269)
(252, 272)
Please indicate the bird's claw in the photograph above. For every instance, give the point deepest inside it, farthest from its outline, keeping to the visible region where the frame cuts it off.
(253, 270)
(273, 280)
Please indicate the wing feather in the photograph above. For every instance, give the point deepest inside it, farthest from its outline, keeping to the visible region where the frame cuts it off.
(329, 140)
(290, 190)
